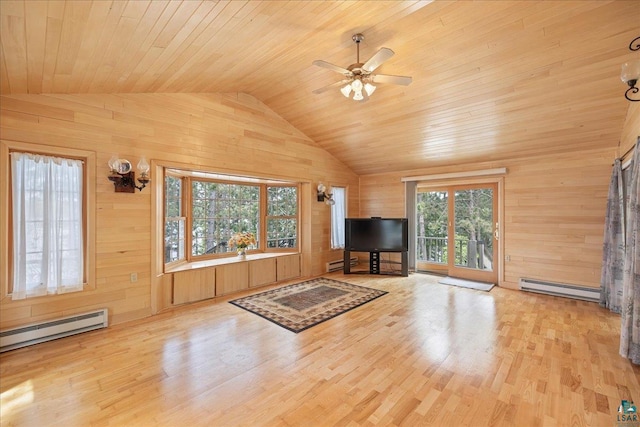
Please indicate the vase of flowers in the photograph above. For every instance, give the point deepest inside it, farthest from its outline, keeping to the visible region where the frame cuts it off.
(241, 241)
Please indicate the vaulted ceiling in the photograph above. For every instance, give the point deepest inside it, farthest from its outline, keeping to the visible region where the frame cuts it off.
(492, 80)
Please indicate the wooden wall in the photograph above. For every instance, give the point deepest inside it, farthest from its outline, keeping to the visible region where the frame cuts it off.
(233, 133)
(554, 205)
(631, 130)
(554, 212)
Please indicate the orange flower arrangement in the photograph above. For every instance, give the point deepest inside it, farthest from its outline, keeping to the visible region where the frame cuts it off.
(242, 240)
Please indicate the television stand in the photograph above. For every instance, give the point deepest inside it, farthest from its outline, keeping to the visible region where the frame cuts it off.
(374, 264)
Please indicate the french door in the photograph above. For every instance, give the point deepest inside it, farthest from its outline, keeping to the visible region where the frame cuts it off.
(457, 231)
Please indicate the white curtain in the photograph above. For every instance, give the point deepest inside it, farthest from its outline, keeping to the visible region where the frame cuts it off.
(338, 215)
(48, 248)
(614, 243)
(630, 331)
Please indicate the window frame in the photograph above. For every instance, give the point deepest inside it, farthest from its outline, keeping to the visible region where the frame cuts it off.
(189, 210)
(88, 212)
(267, 217)
(179, 218)
(188, 176)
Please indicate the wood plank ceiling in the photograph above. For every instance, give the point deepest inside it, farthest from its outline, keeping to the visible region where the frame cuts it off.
(492, 80)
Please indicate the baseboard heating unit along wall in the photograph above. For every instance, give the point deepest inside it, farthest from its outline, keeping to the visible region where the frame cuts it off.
(560, 289)
(339, 264)
(11, 339)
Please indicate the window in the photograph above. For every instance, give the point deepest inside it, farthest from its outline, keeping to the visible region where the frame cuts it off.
(282, 217)
(219, 210)
(338, 215)
(203, 211)
(48, 236)
(174, 221)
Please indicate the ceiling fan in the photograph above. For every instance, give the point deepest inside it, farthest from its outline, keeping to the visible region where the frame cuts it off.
(359, 77)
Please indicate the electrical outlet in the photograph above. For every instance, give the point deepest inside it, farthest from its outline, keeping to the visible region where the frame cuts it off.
(134, 277)
(507, 258)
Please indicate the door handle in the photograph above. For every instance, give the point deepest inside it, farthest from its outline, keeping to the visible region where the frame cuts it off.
(496, 232)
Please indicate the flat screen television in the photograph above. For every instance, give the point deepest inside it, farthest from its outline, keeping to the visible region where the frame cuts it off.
(376, 234)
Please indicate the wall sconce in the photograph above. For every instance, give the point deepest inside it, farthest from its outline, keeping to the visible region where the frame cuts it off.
(123, 177)
(631, 72)
(323, 196)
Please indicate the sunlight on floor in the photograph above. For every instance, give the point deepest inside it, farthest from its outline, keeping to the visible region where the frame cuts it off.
(16, 397)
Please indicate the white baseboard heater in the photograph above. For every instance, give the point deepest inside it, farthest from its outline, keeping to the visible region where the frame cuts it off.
(11, 339)
(339, 264)
(560, 289)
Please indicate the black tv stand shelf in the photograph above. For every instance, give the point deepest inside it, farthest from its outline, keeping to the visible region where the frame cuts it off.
(374, 264)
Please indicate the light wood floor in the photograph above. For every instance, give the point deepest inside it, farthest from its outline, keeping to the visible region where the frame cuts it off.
(424, 354)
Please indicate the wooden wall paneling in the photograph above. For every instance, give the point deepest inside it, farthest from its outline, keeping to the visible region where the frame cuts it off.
(308, 257)
(167, 129)
(554, 213)
(35, 29)
(631, 130)
(194, 285)
(232, 278)
(262, 272)
(288, 267)
(14, 49)
(161, 292)
(4, 77)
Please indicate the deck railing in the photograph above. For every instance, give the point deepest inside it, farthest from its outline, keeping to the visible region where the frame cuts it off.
(468, 253)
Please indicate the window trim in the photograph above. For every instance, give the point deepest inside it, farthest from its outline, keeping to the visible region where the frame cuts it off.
(89, 211)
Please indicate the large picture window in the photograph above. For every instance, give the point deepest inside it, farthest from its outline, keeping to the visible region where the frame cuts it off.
(203, 211)
(218, 210)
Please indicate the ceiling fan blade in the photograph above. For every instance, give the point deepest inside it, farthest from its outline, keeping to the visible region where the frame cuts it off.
(396, 80)
(377, 59)
(331, 86)
(325, 64)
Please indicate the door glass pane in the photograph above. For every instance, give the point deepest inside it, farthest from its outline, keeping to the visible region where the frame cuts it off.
(431, 225)
(473, 216)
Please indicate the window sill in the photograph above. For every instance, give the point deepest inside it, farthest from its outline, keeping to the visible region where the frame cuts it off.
(226, 261)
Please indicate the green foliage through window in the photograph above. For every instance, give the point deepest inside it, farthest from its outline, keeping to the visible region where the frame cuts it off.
(473, 211)
(218, 209)
(174, 223)
(282, 214)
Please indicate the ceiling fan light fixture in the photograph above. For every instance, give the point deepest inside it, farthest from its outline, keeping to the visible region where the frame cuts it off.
(359, 74)
(346, 90)
(369, 88)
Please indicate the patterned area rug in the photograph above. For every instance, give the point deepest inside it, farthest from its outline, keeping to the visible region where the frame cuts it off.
(303, 305)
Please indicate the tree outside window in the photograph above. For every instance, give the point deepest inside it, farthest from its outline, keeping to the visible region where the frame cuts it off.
(203, 214)
(282, 217)
(218, 211)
